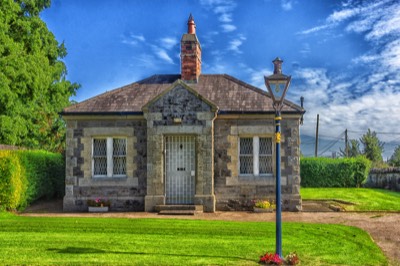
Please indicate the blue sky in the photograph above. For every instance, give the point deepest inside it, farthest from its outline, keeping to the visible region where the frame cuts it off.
(344, 56)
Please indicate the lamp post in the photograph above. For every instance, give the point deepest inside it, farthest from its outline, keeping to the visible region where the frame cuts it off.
(277, 85)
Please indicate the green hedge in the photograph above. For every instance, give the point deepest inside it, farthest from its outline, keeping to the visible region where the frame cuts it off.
(26, 176)
(327, 172)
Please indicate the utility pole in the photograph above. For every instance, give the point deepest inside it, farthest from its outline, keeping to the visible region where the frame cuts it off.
(346, 140)
(316, 137)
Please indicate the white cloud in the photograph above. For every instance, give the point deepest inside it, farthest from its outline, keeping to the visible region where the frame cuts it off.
(226, 18)
(145, 60)
(235, 44)
(257, 77)
(168, 42)
(162, 54)
(391, 55)
(286, 5)
(339, 16)
(133, 39)
(333, 99)
(224, 9)
(315, 83)
(305, 49)
(315, 29)
(387, 24)
(228, 27)
(364, 14)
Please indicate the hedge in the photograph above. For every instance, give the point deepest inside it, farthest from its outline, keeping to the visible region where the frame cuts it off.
(327, 172)
(26, 176)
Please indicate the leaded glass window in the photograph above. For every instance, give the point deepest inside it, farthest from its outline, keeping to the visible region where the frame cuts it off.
(119, 156)
(246, 155)
(100, 157)
(109, 157)
(265, 156)
(255, 156)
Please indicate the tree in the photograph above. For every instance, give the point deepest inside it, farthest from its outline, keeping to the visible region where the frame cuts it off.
(353, 149)
(33, 84)
(373, 148)
(395, 158)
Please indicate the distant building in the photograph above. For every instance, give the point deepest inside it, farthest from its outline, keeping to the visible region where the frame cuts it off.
(187, 138)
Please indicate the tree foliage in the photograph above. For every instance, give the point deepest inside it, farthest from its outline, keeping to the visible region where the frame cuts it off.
(353, 149)
(395, 158)
(33, 84)
(373, 147)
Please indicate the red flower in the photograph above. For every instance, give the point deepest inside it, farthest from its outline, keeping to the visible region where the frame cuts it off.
(271, 258)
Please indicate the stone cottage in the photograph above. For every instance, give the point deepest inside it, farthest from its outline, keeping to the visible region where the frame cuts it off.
(182, 139)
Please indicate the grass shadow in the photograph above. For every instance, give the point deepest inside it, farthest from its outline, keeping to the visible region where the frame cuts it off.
(80, 250)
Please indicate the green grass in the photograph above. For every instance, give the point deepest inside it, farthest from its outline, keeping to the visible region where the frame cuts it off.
(364, 199)
(82, 241)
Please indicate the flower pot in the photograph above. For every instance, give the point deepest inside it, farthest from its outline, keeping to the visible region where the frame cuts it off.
(98, 209)
(258, 210)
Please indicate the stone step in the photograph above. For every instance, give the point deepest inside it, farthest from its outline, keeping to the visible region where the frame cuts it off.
(195, 208)
(177, 212)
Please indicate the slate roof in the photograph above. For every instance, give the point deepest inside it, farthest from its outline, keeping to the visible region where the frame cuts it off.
(228, 93)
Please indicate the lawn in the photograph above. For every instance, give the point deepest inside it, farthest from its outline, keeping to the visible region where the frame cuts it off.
(362, 199)
(82, 241)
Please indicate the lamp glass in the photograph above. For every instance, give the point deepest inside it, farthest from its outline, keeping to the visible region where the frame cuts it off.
(278, 88)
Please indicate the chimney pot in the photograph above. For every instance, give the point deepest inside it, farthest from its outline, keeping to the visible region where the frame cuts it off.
(191, 25)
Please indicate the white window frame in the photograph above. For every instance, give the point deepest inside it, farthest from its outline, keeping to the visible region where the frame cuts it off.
(256, 156)
(110, 157)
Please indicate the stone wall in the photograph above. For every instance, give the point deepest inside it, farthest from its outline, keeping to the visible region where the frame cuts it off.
(388, 178)
(235, 192)
(125, 193)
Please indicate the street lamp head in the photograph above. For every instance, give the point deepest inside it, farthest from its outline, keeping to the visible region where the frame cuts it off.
(277, 84)
(277, 65)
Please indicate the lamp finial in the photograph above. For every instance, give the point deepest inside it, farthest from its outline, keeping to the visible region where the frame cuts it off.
(277, 65)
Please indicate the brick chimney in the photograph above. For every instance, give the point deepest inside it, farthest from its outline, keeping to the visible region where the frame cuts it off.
(190, 54)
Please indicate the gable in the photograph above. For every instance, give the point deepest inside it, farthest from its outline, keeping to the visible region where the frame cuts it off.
(179, 102)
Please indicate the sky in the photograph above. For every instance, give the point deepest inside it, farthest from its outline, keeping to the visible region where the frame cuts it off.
(343, 56)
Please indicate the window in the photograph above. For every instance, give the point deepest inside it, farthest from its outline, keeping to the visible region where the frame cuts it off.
(255, 156)
(109, 157)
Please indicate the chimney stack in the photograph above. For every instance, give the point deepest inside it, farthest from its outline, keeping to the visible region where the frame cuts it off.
(190, 54)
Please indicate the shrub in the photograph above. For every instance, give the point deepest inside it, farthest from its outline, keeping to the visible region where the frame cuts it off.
(361, 170)
(29, 175)
(327, 172)
(12, 181)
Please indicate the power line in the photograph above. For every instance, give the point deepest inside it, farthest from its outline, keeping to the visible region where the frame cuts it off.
(332, 143)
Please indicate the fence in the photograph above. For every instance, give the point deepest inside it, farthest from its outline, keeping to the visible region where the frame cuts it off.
(387, 178)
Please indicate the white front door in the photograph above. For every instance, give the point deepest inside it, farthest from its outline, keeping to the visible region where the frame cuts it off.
(180, 169)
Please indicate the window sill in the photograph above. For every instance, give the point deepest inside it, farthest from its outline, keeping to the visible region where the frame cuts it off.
(264, 180)
(105, 178)
(255, 177)
(122, 181)
(261, 179)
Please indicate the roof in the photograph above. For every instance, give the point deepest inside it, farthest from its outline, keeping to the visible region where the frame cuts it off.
(229, 94)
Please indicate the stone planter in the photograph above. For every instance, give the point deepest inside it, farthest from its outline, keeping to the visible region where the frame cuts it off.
(98, 209)
(260, 210)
